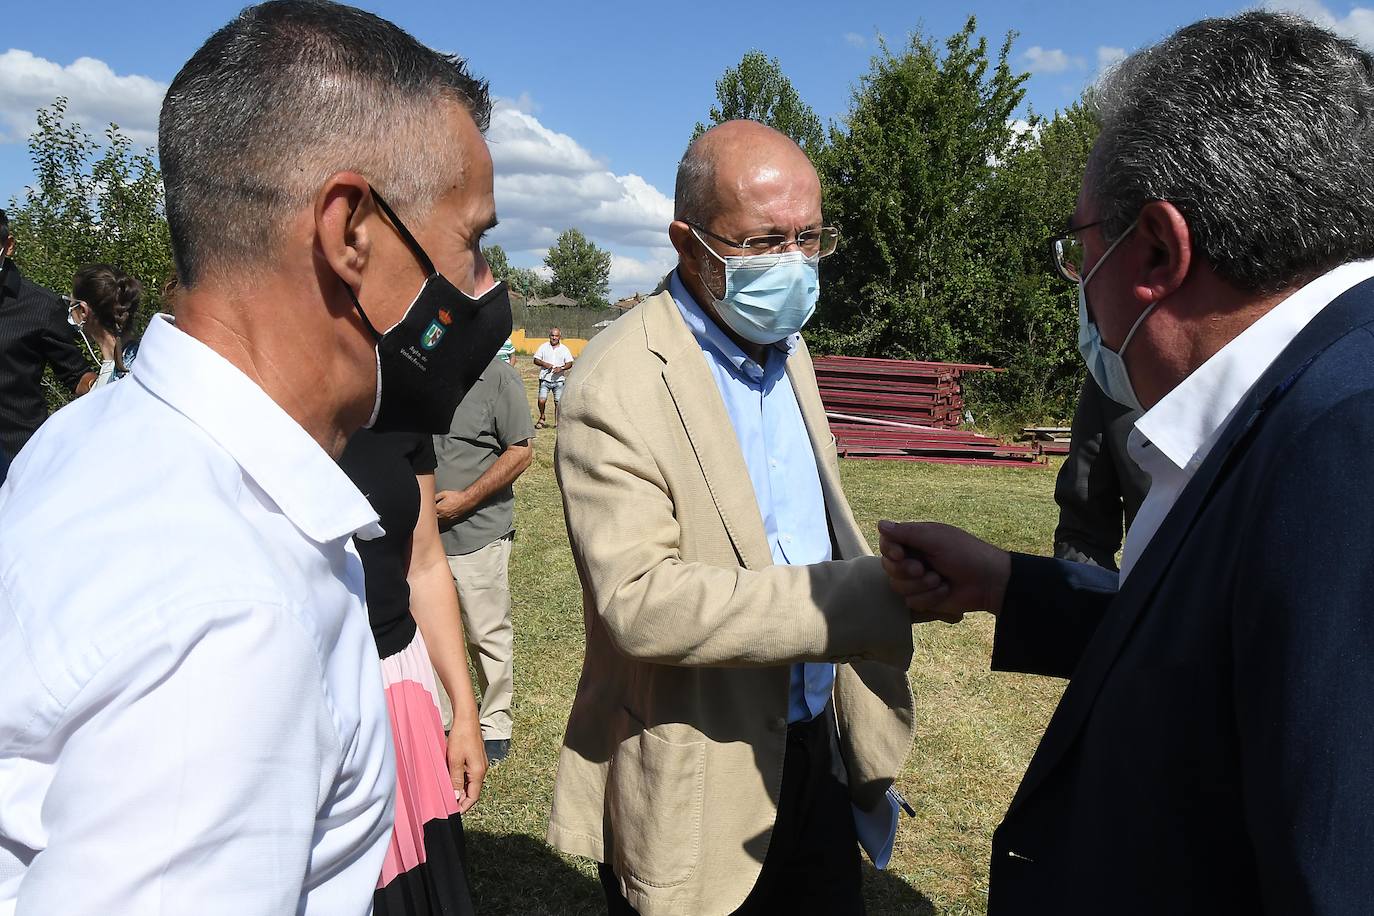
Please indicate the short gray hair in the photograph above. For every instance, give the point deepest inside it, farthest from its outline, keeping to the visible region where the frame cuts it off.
(1260, 129)
(287, 94)
(694, 193)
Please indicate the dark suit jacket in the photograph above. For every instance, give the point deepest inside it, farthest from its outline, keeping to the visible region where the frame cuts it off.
(34, 333)
(1099, 488)
(1214, 750)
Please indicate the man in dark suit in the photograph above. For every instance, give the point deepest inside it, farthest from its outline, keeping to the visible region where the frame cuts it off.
(1099, 488)
(34, 333)
(1214, 749)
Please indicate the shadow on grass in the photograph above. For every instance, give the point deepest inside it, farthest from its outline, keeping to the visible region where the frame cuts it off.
(885, 893)
(512, 873)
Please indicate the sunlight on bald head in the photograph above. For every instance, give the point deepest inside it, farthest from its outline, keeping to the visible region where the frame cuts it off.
(744, 178)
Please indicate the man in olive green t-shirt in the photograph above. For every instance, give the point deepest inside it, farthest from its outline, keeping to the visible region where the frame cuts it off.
(487, 446)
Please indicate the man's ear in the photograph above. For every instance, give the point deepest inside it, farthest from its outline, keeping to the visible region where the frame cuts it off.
(1169, 254)
(680, 234)
(342, 210)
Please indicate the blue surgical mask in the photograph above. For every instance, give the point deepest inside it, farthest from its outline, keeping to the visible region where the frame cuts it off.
(1106, 366)
(768, 297)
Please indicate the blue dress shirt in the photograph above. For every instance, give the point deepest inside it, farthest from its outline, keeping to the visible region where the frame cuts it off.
(782, 466)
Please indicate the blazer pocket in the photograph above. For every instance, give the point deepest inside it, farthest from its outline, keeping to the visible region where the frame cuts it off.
(655, 794)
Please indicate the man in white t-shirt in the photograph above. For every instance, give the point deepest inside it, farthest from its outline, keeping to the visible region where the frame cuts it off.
(554, 359)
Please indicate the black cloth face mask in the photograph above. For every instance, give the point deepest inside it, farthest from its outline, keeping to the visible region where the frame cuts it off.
(429, 360)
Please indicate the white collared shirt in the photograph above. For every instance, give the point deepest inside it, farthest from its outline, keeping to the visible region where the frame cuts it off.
(191, 708)
(554, 356)
(1173, 438)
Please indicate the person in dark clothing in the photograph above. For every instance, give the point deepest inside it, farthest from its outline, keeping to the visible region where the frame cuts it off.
(413, 610)
(1211, 752)
(1099, 488)
(34, 334)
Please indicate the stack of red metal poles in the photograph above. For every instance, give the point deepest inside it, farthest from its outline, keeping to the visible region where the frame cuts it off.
(907, 410)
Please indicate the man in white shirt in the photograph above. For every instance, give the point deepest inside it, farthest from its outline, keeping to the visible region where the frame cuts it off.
(1211, 753)
(194, 722)
(554, 359)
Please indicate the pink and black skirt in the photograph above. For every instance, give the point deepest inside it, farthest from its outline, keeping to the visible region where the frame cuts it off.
(425, 867)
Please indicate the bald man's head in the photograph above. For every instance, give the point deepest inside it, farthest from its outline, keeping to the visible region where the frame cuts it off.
(720, 163)
(738, 183)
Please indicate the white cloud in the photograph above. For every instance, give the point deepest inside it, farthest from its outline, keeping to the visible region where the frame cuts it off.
(520, 144)
(1357, 24)
(547, 182)
(855, 40)
(635, 275)
(1049, 60)
(96, 96)
(1021, 130)
(1108, 57)
(525, 102)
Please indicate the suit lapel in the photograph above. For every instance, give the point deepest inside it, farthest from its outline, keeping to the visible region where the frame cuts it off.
(1346, 312)
(709, 429)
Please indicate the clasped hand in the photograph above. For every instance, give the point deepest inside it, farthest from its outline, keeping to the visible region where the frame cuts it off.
(452, 506)
(942, 572)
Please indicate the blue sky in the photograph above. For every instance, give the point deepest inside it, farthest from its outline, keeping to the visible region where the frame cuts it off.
(600, 98)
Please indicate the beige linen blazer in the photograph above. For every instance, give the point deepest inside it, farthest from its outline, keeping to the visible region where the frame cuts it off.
(672, 760)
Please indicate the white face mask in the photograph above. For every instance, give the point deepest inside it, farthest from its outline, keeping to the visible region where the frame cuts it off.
(1106, 366)
(768, 297)
(81, 329)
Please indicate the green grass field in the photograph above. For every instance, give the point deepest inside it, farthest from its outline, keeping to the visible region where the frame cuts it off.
(975, 730)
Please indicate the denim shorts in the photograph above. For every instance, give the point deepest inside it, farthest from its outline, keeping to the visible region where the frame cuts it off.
(554, 385)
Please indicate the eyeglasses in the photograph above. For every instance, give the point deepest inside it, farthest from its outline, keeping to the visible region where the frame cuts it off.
(1068, 252)
(810, 242)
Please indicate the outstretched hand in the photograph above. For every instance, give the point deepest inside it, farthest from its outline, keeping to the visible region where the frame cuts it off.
(941, 571)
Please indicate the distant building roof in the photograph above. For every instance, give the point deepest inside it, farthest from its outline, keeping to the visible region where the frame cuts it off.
(559, 299)
(629, 302)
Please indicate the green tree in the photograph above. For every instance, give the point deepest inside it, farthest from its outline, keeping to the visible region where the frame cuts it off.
(581, 271)
(92, 202)
(526, 282)
(944, 208)
(498, 262)
(758, 89)
(1032, 328)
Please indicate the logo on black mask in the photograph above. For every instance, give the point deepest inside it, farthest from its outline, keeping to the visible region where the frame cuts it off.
(429, 360)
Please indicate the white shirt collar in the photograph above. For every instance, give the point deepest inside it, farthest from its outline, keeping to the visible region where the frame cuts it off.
(271, 447)
(1186, 422)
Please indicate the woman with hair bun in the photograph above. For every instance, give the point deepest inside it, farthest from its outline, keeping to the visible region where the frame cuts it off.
(104, 308)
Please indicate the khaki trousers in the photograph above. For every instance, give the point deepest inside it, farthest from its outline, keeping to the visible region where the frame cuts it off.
(483, 586)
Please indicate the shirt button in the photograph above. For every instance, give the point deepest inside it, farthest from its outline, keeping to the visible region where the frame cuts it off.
(780, 724)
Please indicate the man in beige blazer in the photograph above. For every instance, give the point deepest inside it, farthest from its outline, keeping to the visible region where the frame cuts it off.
(743, 707)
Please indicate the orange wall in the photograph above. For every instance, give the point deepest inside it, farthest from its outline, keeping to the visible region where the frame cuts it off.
(527, 346)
